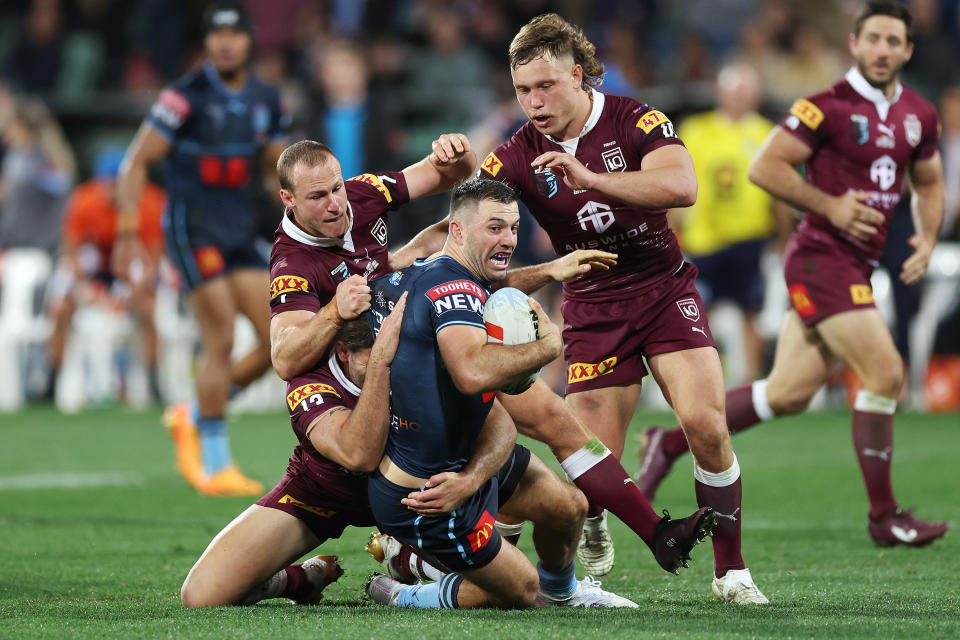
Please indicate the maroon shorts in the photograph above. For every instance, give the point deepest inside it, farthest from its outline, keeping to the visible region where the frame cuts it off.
(604, 342)
(326, 508)
(823, 281)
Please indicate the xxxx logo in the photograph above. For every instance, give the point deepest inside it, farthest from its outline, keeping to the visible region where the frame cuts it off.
(492, 164)
(288, 284)
(323, 513)
(305, 391)
(582, 371)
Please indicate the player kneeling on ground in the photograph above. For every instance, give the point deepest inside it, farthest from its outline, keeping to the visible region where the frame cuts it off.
(437, 415)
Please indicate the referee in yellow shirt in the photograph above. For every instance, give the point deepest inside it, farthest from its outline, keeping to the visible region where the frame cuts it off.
(725, 232)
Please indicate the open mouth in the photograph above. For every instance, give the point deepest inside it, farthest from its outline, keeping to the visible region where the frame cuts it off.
(333, 218)
(541, 121)
(501, 259)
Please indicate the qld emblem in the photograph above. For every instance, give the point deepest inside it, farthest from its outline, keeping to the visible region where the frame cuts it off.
(614, 161)
(913, 129)
(546, 183)
(688, 307)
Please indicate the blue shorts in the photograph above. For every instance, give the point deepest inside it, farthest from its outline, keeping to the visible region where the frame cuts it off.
(732, 274)
(202, 249)
(465, 538)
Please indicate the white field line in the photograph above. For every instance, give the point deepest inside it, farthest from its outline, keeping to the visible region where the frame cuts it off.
(68, 480)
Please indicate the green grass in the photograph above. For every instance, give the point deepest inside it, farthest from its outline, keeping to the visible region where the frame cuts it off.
(108, 561)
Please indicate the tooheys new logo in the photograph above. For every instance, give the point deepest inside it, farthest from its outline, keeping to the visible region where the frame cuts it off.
(461, 295)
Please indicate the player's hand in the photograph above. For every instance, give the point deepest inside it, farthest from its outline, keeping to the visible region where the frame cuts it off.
(850, 213)
(916, 265)
(449, 148)
(564, 165)
(547, 331)
(385, 346)
(353, 297)
(580, 262)
(442, 494)
(127, 251)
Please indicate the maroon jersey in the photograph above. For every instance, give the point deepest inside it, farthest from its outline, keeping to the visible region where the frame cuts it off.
(309, 396)
(860, 142)
(305, 270)
(618, 134)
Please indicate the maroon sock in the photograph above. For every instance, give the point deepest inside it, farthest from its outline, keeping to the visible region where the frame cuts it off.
(873, 440)
(740, 415)
(675, 443)
(726, 536)
(608, 485)
(297, 584)
(740, 412)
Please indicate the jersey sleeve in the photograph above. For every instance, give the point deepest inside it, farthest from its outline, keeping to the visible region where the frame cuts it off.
(502, 164)
(279, 128)
(929, 136)
(387, 189)
(807, 121)
(648, 129)
(309, 396)
(290, 287)
(456, 302)
(170, 112)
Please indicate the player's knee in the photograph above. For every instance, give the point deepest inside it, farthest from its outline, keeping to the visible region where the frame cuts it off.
(885, 380)
(524, 594)
(706, 433)
(789, 404)
(190, 596)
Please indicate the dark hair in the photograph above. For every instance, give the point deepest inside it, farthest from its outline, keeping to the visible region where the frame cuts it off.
(309, 152)
(478, 189)
(227, 13)
(355, 334)
(885, 8)
(550, 34)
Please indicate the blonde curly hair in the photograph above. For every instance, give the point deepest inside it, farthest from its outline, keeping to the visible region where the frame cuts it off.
(549, 34)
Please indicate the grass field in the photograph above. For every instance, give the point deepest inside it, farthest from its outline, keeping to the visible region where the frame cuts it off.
(107, 561)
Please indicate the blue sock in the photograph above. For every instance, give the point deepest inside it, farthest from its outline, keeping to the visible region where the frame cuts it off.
(558, 585)
(214, 444)
(437, 595)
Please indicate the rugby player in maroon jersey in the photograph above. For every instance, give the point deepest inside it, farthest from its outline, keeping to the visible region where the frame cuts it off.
(857, 140)
(601, 171)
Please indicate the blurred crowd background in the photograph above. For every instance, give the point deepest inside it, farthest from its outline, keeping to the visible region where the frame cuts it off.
(78, 76)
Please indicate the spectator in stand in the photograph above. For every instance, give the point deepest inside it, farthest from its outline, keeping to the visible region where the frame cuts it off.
(34, 64)
(38, 170)
(83, 275)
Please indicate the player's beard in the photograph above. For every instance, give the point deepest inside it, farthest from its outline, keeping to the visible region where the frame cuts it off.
(882, 86)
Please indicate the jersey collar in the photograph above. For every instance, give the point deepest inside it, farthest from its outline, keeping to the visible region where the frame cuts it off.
(871, 93)
(570, 146)
(298, 234)
(214, 77)
(341, 377)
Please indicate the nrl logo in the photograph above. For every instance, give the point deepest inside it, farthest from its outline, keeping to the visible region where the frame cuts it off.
(546, 183)
(614, 161)
(913, 129)
(379, 232)
(688, 307)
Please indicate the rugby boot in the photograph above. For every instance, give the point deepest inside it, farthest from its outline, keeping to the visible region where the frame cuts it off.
(738, 587)
(654, 463)
(595, 554)
(230, 482)
(320, 571)
(673, 539)
(904, 528)
(386, 549)
(384, 590)
(588, 594)
(186, 444)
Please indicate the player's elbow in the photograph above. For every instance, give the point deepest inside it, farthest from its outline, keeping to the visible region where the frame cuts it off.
(361, 461)
(470, 382)
(284, 369)
(686, 194)
(756, 173)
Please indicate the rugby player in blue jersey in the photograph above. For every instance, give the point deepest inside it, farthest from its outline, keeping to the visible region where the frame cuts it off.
(211, 126)
(443, 379)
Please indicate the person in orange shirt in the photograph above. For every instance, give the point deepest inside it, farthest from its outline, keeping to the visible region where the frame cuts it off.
(83, 274)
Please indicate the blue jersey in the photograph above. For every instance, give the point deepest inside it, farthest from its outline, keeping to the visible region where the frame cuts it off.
(433, 426)
(216, 133)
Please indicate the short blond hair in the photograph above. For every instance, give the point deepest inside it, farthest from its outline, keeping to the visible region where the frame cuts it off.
(308, 152)
(549, 34)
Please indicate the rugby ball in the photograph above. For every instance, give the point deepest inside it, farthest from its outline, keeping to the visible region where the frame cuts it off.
(511, 321)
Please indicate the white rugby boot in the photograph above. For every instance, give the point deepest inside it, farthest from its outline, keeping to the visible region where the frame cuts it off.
(595, 552)
(588, 594)
(738, 587)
